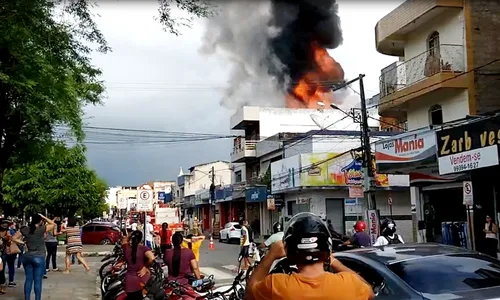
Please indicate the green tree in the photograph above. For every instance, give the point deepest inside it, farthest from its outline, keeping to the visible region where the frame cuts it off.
(61, 182)
(46, 75)
(194, 8)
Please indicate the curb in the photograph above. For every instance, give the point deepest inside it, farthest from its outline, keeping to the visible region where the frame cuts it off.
(98, 288)
(87, 254)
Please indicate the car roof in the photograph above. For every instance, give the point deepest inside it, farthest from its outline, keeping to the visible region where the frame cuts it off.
(401, 252)
(101, 224)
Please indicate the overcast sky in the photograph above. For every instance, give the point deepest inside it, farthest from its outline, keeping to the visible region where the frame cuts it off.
(159, 81)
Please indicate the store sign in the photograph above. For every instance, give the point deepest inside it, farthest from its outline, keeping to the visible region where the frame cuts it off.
(468, 147)
(330, 169)
(270, 203)
(373, 225)
(285, 174)
(356, 192)
(256, 194)
(408, 148)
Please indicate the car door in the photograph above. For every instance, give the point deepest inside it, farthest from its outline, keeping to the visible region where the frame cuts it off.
(225, 231)
(87, 234)
(382, 287)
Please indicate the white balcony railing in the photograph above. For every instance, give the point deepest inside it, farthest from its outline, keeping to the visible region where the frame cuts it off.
(245, 145)
(400, 75)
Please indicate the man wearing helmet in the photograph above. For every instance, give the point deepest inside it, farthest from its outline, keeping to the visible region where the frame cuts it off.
(275, 237)
(360, 238)
(388, 234)
(306, 243)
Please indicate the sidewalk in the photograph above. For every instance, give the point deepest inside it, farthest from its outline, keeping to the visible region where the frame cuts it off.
(88, 250)
(77, 285)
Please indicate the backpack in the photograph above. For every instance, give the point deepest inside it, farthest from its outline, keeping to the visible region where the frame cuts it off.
(394, 240)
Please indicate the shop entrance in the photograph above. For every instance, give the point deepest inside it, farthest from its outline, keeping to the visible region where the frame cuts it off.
(443, 211)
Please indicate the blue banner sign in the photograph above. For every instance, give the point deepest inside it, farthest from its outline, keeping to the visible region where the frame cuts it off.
(256, 194)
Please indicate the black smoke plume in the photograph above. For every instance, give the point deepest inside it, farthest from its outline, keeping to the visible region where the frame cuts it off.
(269, 43)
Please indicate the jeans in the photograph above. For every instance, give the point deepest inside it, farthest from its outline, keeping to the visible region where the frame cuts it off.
(11, 263)
(20, 256)
(34, 268)
(51, 255)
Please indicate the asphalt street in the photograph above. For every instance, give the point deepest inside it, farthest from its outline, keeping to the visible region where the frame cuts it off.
(220, 262)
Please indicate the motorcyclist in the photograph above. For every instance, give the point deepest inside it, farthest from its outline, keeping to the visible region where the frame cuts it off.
(275, 237)
(360, 237)
(306, 243)
(388, 234)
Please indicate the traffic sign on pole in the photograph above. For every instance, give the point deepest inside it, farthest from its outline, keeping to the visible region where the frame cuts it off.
(468, 195)
(122, 203)
(144, 199)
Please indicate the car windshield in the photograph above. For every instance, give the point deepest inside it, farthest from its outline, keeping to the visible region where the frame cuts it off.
(237, 226)
(449, 273)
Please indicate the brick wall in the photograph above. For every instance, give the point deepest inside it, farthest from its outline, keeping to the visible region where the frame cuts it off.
(484, 40)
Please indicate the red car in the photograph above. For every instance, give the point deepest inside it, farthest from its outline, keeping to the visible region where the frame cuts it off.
(100, 233)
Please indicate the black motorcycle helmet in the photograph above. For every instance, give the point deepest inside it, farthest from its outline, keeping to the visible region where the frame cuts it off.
(277, 227)
(388, 227)
(307, 239)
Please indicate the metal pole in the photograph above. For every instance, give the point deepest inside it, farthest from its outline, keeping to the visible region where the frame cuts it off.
(365, 139)
(212, 198)
(144, 226)
(471, 228)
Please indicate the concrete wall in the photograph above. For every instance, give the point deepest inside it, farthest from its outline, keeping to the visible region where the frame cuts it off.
(483, 39)
(450, 26)
(401, 207)
(201, 179)
(455, 105)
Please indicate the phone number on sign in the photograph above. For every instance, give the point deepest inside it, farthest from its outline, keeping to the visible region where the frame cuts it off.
(465, 162)
(465, 167)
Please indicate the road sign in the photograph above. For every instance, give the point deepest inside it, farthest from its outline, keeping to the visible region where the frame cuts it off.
(122, 203)
(468, 193)
(144, 199)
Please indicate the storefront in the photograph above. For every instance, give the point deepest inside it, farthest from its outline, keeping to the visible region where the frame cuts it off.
(323, 183)
(202, 208)
(471, 149)
(437, 198)
(223, 197)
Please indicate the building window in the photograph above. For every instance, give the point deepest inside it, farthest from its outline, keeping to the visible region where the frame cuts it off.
(237, 176)
(433, 44)
(436, 115)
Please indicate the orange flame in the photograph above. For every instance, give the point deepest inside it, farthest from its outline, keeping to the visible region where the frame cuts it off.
(315, 86)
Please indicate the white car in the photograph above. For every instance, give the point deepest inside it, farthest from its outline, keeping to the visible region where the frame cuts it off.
(231, 232)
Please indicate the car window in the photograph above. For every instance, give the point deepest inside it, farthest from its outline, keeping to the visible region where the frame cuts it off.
(87, 228)
(370, 275)
(100, 228)
(116, 228)
(237, 226)
(449, 273)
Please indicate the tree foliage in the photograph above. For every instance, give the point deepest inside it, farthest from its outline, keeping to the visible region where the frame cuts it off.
(61, 183)
(194, 8)
(46, 75)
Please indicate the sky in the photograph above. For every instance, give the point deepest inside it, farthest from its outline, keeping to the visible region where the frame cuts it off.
(159, 81)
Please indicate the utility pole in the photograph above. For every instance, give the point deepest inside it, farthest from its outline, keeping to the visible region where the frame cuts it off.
(212, 198)
(365, 139)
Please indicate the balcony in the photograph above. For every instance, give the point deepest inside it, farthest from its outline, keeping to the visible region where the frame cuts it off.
(426, 74)
(392, 30)
(243, 150)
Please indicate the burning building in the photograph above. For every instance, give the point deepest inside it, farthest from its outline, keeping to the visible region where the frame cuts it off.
(279, 51)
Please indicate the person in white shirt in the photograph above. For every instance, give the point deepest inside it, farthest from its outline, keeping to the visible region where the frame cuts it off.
(245, 245)
(149, 233)
(276, 236)
(388, 234)
(134, 226)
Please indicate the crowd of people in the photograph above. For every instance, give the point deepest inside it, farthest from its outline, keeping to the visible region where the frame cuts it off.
(180, 254)
(34, 247)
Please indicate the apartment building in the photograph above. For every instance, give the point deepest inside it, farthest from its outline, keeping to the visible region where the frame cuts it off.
(446, 76)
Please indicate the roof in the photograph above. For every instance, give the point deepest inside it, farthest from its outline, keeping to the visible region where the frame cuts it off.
(396, 253)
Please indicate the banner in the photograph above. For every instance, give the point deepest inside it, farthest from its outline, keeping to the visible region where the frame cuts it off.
(373, 223)
(406, 151)
(330, 169)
